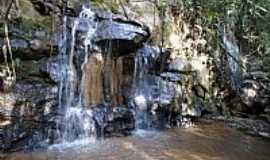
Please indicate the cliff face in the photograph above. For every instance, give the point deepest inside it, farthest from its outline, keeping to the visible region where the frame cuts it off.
(158, 60)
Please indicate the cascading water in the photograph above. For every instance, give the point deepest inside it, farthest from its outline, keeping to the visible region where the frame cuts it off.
(140, 69)
(153, 90)
(90, 86)
(77, 122)
(233, 57)
(147, 88)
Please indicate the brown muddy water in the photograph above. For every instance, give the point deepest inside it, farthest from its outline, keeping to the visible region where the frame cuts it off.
(205, 141)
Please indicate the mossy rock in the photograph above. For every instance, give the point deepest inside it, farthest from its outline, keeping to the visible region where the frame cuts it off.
(31, 19)
(111, 5)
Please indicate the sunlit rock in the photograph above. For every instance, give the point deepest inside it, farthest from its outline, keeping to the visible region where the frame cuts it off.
(179, 65)
(93, 93)
(150, 16)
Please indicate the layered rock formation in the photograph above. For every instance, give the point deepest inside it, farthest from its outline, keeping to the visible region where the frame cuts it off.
(127, 78)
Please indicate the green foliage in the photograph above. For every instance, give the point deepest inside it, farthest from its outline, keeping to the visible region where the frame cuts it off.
(252, 20)
(163, 3)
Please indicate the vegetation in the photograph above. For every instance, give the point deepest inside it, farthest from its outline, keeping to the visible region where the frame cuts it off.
(252, 21)
(111, 5)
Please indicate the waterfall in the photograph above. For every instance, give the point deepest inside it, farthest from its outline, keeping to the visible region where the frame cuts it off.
(143, 63)
(233, 57)
(90, 90)
(78, 121)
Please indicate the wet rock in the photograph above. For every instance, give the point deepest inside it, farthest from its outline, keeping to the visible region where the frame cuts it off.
(153, 58)
(194, 110)
(155, 89)
(172, 77)
(109, 16)
(113, 32)
(250, 126)
(48, 7)
(53, 67)
(116, 122)
(122, 122)
(34, 91)
(26, 49)
(26, 111)
(30, 69)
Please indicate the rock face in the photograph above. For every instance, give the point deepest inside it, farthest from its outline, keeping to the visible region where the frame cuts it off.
(179, 65)
(51, 66)
(114, 30)
(93, 80)
(26, 49)
(116, 122)
(26, 117)
(120, 82)
(120, 79)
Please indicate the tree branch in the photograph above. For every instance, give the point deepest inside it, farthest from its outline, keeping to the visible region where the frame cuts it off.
(8, 10)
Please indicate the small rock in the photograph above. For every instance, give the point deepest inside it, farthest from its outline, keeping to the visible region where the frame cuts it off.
(264, 134)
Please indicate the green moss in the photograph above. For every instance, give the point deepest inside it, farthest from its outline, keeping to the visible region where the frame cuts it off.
(112, 5)
(42, 23)
(31, 19)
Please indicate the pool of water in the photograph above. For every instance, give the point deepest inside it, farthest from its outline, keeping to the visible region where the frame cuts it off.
(204, 141)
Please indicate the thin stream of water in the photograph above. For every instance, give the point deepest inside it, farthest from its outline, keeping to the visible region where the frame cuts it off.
(78, 123)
